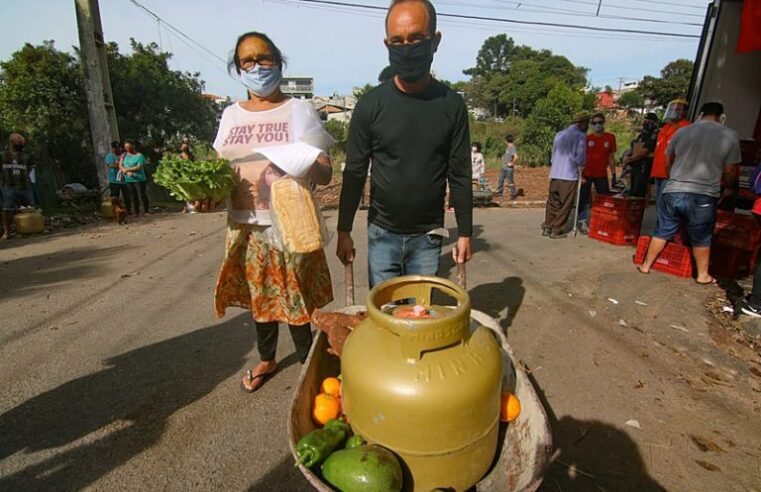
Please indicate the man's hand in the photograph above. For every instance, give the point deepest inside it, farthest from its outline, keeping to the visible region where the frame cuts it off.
(463, 252)
(345, 248)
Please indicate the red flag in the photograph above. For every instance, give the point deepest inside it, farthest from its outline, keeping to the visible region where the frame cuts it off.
(750, 27)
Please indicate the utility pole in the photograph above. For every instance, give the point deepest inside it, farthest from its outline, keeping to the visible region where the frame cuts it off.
(100, 101)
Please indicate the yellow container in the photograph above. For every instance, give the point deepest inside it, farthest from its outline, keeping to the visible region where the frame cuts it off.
(29, 222)
(106, 209)
(427, 389)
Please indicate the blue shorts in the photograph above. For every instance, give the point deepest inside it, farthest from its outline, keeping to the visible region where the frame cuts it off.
(696, 212)
(12, 196)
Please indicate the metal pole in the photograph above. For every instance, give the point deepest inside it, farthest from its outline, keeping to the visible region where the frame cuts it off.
(97, 84)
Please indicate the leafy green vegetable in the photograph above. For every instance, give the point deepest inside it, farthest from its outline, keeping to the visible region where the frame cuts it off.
(195, 180)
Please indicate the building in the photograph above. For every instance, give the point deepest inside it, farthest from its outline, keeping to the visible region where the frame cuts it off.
(335, 107)
(298, 87)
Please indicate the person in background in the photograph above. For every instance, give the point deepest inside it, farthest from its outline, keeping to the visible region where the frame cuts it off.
(569, 155)
(676, 118)
(117, 187)
(699, 157)
(187, 154)
(257, 274)
(132, 164)
(507, 172)
(415, 130)
(601, 150)
(641, 158)
(751, 304)
(477, 162)
(16, 186)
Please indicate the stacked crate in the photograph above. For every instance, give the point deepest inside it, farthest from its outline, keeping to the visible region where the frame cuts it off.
(675, 259)
(616, 219)
(735, 245)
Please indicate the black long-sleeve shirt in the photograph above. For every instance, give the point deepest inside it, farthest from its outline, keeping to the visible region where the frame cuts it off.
(417, 143)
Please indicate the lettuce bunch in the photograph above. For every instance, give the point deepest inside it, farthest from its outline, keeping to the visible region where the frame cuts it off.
(195, 180)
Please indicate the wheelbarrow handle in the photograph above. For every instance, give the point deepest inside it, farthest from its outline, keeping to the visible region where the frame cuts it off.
(462, 274)
(349, 283)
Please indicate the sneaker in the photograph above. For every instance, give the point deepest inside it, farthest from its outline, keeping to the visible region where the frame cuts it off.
(750, 309)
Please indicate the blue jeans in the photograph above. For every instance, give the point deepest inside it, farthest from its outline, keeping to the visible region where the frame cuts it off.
(698, 212)
(390, 255)
(509, 175)
(660, 184)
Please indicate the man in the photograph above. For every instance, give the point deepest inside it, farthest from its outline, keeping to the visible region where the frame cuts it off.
(569, 154)
(415, 130)
(641, 158)
(508, 169)
(676, 118)
(698, 157)
(601, 151)
(16, 185)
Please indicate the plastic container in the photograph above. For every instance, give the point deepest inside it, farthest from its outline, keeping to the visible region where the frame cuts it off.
(29, 222)
(618, 203)
(107, 209)
(737, 231)
(614, 230)
(675, 259)
(427, 389)
(729, 262)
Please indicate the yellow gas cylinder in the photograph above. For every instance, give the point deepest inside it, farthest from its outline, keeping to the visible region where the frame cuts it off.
(29, 221)
(107, 209)
(427, 389)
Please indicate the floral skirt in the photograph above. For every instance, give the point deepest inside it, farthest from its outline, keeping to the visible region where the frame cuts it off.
(274, 285)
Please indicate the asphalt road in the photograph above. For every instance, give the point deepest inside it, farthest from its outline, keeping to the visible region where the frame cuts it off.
(118, 376)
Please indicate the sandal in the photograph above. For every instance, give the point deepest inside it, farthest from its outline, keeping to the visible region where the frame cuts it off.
(710, 282)
(250, 378)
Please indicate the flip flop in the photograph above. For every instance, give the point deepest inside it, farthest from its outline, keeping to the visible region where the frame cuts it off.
(710, 282)
(639, 269)
(251, 378)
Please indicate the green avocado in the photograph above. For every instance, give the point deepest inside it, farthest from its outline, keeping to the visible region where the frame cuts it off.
(363, 469)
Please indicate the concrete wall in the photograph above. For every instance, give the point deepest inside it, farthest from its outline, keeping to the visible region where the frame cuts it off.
(732, 79)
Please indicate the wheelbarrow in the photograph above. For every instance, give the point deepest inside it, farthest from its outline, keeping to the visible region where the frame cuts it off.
(525, 445)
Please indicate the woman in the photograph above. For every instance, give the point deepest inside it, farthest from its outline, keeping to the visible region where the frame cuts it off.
(132, 164)
(477, 160)
(275, 285)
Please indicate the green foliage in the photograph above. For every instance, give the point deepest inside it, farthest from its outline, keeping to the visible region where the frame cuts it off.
(673, 83)
(195, 180)
(361, 91)
(491, 135)
(510, 79)
(551, 114)
(155, 105)
(339, 130)
(632, 99)
(42, 96)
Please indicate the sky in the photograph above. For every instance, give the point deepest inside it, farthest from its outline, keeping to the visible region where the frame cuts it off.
(342, 47)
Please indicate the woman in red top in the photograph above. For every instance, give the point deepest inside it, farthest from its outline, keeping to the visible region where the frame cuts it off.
(676, 118)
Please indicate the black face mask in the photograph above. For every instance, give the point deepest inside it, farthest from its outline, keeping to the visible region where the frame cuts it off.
(411, 62)
(18, 147)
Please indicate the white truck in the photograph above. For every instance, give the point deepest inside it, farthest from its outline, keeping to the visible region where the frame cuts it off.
(721, 74)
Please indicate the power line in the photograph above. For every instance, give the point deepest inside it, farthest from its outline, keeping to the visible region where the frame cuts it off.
(178, 31)
(673, 4)
(512, 21)
(561, 11)
(628, 7)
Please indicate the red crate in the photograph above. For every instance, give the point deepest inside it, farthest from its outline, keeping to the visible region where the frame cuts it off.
(618, 204)
(614, 230)
(737, 231)
(675, 259)
(729, 262)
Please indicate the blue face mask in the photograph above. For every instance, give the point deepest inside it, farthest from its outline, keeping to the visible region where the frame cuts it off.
(262, 81)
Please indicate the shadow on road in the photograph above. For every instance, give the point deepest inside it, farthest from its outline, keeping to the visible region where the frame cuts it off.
(20, 276)
(593, 456)
(493, 298)
(284, 477)
(121, 410)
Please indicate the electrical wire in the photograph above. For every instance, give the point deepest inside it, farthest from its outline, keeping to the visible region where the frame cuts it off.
(511, 21)
(628, 7)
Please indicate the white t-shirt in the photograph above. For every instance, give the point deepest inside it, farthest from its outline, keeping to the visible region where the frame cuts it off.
(241, 132)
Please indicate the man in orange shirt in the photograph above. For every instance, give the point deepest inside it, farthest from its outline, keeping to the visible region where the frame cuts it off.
(676, 118)
(601, 150)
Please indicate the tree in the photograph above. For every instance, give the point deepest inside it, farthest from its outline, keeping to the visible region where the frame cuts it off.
(631, 99)
(551, 114)
(157, 106)
(673, 83)
(42, 96)
(361, 91)
(511, 79)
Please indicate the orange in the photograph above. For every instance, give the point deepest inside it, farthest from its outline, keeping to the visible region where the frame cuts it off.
(331, 386)
(510, 407)
(326, 407)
